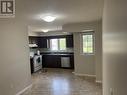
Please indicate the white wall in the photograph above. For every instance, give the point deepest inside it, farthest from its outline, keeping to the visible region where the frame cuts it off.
(14, 57)
(91, 64)
(14, 53)
(84, 64)
(98, 52)
(33, 34)
(115, 47)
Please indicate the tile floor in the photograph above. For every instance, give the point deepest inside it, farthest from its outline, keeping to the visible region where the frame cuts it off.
(62, 82)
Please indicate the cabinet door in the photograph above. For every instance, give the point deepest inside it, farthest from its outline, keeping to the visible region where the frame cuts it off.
(52, 61)
(42, 42)
(69, 41)
(33, 40)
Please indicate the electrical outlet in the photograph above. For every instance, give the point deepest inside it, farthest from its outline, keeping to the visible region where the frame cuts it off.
(111, 91)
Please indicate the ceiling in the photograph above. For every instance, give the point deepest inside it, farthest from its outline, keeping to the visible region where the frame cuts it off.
(66, 11)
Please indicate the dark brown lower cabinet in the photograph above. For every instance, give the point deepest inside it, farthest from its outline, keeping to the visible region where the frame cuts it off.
(51, 61)
(54, 61)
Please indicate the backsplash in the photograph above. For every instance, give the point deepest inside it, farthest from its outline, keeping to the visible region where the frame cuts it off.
(69, 50)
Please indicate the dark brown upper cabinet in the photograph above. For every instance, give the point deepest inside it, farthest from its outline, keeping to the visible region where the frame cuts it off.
(69, 41)
(33, 40)
(42, 41)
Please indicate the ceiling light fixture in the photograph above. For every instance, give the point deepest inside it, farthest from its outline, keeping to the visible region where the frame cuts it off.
(45, 31)
(49, 18)
(65, 32)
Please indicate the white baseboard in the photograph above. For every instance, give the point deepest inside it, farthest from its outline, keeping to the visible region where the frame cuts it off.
(87, 75)
(98, 81)
(19, 93)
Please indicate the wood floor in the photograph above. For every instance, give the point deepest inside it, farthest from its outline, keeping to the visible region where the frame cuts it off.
(62, 82)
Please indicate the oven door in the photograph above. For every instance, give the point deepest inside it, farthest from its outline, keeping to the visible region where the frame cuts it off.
(37, 62)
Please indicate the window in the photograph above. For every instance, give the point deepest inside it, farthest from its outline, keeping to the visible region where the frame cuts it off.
(62, 44)
(54, 44)
(88, 43)
(58, 44)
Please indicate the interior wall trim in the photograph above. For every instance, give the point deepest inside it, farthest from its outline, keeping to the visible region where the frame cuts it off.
(19, 93)
(87, 75)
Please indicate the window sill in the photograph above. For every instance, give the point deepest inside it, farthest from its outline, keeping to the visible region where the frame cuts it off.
(88, 54)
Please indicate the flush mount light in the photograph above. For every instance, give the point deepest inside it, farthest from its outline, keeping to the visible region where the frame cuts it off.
(65, 32)
(49, 18)
(45, 31)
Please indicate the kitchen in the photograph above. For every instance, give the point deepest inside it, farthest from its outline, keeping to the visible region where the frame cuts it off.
(51, 51)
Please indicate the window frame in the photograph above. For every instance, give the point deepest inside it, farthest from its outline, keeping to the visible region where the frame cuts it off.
(58, 41)
(50, 44)
(93, 40)
(59, 44)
